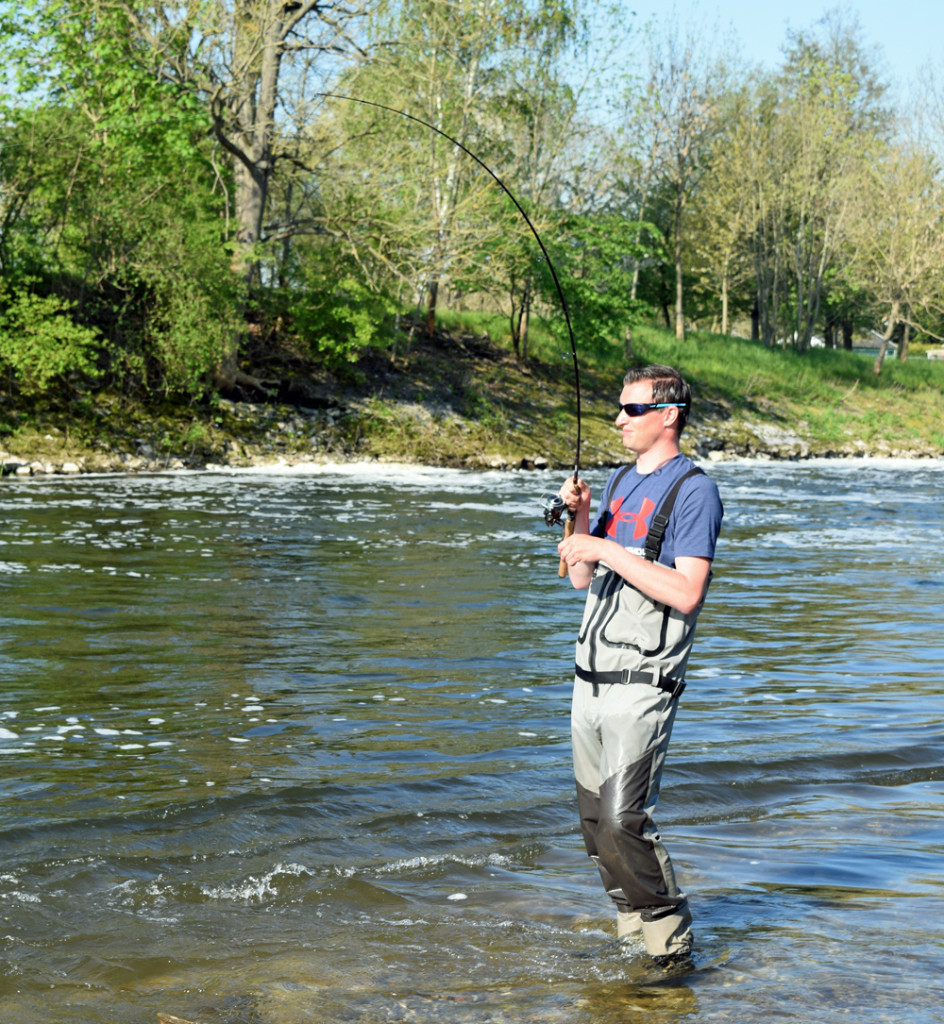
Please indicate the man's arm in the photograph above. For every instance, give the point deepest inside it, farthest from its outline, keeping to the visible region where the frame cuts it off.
(682, 587)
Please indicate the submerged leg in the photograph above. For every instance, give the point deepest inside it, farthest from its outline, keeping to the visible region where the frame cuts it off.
(620, 741)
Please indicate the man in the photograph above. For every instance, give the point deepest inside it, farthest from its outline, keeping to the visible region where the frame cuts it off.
(645, 592)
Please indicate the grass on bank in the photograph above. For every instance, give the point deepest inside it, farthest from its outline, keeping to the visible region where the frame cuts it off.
(830, 397)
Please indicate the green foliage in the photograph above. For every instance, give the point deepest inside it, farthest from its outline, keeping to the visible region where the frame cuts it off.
(40, 342)
(189, 300)
(336, 314)
(594, 258)
(113, 199)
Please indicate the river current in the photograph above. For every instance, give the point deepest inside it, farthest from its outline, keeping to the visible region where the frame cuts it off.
(293, 747)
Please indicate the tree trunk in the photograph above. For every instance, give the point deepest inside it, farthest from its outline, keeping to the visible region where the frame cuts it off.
(889, 331)
(257, 58)
(903, 344)
(524, 322)
(724, 304)
(432, 295)
(847, 335)
(679, 311)
(755, 321)
(252, 189)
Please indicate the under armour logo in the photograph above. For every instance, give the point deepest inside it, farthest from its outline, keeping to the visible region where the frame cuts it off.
(638, 518)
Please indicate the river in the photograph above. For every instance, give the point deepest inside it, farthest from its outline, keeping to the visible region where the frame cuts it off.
(293, 747)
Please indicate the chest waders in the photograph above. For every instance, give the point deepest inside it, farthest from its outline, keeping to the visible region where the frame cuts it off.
(632, 652)
(625, 637)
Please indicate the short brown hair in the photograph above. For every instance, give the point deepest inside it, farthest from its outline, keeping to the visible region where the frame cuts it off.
(667, 386)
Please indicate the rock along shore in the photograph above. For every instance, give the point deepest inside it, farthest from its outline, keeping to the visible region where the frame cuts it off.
(255, 435)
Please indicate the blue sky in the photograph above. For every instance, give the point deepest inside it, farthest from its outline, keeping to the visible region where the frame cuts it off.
(910, 33)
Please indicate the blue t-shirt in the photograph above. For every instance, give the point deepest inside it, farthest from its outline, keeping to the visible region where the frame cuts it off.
(625, 516)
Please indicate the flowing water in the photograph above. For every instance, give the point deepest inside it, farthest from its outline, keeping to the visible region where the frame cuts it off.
(280, 748)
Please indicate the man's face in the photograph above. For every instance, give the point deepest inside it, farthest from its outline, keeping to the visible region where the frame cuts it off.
(640, 433)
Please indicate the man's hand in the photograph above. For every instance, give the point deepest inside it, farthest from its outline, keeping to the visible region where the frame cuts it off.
(580, 547)
(575, 496)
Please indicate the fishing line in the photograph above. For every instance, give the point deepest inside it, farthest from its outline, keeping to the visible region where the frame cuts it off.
(527, 220)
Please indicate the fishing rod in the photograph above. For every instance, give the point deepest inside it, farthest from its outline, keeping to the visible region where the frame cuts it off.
(553, 504)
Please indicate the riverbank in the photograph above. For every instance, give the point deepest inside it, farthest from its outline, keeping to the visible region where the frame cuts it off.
(462, 401)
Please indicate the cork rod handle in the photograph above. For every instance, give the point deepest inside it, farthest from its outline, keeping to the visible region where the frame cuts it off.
(568, 530)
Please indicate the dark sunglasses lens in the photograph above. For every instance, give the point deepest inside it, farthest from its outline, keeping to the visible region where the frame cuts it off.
(634, 408)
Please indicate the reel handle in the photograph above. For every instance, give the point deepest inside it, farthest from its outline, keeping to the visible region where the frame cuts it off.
(568, 530)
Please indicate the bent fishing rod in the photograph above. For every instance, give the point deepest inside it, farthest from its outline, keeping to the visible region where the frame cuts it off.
(553, 504)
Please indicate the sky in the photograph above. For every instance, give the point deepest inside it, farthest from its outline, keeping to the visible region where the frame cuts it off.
(910, 33)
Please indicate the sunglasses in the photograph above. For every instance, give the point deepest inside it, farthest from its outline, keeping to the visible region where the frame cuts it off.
(638, 408)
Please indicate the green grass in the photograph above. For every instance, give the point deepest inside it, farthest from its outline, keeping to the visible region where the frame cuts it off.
(829, 397)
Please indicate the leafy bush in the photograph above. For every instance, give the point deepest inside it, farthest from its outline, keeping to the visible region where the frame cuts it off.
(338, 315)
(40, 342)
(190, 299)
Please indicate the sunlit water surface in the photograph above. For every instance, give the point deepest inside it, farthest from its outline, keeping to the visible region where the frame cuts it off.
(285, 748)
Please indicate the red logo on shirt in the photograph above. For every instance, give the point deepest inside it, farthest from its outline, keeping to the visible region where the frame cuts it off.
(639, 518)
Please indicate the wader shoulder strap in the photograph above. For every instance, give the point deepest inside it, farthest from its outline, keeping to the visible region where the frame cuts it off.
(617, 477)
(661, 519)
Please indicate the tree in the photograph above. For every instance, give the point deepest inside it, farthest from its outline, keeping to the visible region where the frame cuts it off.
(248, 65)
(550, 159)
(459, 67)
(675, 118)
(598, 253)
(720, 253)
(899, 241)
(116, 211)
(832, 119)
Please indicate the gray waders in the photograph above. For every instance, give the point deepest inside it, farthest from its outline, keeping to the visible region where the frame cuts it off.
(631, 658)
(620, 737)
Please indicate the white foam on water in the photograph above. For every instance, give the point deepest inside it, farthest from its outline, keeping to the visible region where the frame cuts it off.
(257, 888)
(419, 863)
